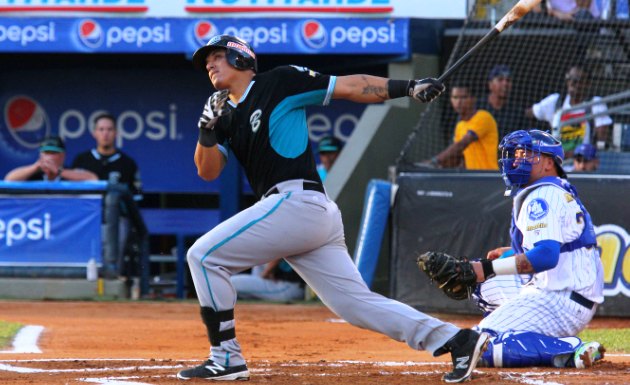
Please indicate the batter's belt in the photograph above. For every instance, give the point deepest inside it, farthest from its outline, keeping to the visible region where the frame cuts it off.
(291, 186)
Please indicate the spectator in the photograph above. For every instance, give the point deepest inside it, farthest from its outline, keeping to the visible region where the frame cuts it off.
(508, 116)
(578, 88)
(274, 281)
(105, 160)
(50, 165)
(586, 159)
(329, 148)
(476, 136)
(568, 10)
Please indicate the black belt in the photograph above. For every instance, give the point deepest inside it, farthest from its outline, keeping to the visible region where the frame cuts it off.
(311, 186)
(578, 298)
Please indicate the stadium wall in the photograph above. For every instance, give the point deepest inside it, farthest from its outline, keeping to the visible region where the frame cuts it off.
(466, 214)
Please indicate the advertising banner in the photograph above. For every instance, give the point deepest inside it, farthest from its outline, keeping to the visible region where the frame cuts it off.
(50, 230)
(156, 111)
(171, 35)
(447, 9)
(467, 215)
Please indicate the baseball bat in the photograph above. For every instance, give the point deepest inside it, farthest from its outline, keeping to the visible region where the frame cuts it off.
(519, 10)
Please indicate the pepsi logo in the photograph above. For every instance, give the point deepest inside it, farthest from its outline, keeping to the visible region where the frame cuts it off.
(204, 31)
(26, 121)
(90, 33)
(314, 35)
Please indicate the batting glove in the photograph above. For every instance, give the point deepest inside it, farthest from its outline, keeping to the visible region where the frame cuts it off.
(214, 107)
(212, 110)
(426, 90)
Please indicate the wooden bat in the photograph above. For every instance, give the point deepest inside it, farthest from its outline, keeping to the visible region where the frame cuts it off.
(519, 10)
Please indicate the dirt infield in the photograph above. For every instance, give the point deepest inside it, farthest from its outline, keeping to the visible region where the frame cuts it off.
(148, 342)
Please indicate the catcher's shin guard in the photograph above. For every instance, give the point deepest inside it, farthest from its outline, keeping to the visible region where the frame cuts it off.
(526, 349)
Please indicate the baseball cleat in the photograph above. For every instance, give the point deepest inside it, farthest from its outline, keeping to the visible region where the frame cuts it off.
(210, 370)
(586, 355)
(465, 347)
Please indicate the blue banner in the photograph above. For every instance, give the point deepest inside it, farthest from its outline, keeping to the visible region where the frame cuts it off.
(156, 111)
(50, 230)
(182, 35)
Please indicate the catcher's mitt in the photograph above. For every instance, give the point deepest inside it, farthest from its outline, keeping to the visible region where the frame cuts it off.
(455, 277)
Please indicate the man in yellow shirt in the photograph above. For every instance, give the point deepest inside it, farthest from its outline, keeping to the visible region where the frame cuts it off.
(476, 135)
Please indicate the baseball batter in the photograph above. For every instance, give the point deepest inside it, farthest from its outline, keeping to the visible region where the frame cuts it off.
(261, 118)
(553, 239)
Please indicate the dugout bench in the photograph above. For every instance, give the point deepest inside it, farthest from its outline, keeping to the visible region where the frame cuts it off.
(182, 223)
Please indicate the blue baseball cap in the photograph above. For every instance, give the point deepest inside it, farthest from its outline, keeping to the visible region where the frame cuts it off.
(329, 144)
(585, 150)
(499, 70)
(52, 144)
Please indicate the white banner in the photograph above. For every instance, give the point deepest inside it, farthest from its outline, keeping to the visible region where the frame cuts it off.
(423, 9)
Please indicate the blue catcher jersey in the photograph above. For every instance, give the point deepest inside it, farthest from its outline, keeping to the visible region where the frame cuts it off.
(271, 118)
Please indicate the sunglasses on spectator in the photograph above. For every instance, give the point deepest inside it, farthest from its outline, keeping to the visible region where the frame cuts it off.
(580, 159)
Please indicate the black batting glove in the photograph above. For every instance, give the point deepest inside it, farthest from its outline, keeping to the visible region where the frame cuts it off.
(426, 90)
(214, 108)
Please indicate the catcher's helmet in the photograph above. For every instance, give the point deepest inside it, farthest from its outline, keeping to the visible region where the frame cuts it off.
(239, 54)
(516, 172)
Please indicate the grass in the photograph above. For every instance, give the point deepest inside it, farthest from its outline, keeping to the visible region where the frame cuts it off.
(614, 340)
(7, 331)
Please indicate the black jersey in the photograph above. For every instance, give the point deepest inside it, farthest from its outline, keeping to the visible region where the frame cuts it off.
(267, 130)
(117, 166)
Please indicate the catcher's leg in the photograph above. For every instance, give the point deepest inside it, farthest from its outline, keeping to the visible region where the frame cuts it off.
(496, 291)
(527, 349)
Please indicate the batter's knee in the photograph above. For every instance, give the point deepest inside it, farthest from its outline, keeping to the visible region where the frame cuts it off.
(194, 255)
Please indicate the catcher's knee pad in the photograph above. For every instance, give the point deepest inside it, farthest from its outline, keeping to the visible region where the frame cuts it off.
(214, 320)
(525, 349)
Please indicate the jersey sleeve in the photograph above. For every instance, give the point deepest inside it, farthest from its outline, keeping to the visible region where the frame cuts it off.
(549, 213)
(482, 124)
(305, 86)
(602, 120)
(545, 109)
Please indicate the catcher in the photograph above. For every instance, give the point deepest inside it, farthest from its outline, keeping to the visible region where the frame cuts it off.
(553, 239)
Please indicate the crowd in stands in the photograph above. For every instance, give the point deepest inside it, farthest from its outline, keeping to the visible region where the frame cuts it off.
(484, 122)
(561, 10)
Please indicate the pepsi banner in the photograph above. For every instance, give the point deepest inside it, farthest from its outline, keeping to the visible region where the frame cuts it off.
(242, 8)
(179, 35)
(50, 230)
(156, 111)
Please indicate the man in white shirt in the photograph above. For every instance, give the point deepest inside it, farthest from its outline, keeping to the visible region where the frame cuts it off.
(595, 131)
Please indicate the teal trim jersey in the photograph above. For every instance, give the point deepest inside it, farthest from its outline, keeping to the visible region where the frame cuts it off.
(267, 129)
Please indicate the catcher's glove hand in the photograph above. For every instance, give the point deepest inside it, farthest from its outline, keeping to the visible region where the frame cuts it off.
(455, 277)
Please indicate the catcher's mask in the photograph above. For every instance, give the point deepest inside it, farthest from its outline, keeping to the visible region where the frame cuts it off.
(529, 145)
(239, 54)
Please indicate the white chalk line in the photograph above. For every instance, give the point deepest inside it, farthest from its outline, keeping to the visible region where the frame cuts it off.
(529, 378)
(25, 340)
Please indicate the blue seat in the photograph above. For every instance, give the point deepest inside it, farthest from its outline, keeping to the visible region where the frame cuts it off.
(181, 223)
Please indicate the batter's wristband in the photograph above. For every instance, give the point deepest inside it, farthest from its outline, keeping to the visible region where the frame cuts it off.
(207, 138)
(505, 266)
(399, 88)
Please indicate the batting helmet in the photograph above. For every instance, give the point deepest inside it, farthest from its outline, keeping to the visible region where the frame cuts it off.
(516, 172)
(239, 54)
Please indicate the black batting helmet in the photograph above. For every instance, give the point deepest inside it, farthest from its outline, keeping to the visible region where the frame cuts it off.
(239, 54)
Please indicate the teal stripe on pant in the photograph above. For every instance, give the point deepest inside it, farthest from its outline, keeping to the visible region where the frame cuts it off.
(226, 240)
